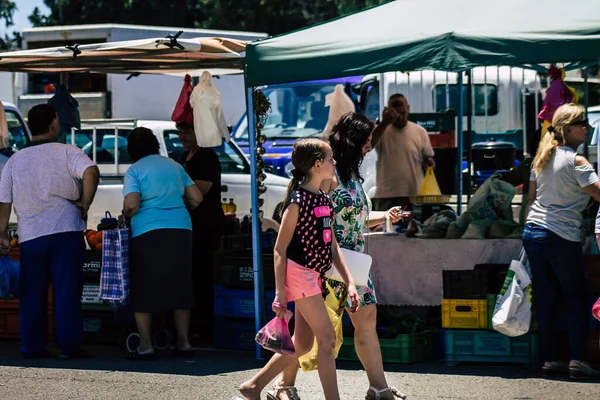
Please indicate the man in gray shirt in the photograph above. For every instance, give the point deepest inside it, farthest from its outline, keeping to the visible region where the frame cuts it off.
(51, 186)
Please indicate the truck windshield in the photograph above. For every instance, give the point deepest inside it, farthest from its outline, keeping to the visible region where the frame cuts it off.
(297, 110)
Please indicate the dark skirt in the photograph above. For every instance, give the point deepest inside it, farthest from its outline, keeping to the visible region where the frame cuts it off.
(160, 271)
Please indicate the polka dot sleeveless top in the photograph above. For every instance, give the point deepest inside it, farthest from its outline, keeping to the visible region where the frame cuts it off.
(311, 243)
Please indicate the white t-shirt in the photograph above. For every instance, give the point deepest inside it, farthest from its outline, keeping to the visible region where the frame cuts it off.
(43, 182)
(560, 199)
(400, 157)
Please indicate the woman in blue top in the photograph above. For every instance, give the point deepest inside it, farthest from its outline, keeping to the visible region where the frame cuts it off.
(158, 193)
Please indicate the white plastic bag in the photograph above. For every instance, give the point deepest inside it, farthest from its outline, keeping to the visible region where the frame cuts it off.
(512, 312)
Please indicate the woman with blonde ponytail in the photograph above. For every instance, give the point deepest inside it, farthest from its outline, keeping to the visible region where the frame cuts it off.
(560, 187)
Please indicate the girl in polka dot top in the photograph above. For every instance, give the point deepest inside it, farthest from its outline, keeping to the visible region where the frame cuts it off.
(304, 251)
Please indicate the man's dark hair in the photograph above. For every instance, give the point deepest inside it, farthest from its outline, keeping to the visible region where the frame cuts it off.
(141, 143)
(396, 95)
(40, 119)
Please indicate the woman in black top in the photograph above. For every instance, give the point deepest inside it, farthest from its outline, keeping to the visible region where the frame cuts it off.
(203, 166)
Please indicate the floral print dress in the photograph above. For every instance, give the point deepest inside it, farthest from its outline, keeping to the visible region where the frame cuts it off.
(351, 207)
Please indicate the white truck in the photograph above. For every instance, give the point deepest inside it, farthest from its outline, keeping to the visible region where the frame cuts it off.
(117, 95)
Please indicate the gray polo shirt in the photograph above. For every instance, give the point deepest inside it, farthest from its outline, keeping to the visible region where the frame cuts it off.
(560, 199)
(42, 181)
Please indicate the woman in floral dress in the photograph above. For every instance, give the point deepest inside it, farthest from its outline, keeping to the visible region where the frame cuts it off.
(350, 140)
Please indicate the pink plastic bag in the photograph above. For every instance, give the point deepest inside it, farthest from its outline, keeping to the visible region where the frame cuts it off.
(275, 336)
(183, 112)
(596, 309)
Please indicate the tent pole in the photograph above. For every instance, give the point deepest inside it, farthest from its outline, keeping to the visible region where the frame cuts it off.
(459, 144)
(256, 250)
(469, 143)
(586, 89)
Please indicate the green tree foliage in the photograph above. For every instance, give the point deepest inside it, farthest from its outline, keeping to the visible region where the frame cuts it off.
(271, 16)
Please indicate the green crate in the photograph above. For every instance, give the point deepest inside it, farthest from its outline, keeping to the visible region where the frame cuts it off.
(486, 346)
(404, 349)
(348, 351)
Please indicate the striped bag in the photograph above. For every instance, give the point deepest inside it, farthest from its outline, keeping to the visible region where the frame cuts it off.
(114, 279)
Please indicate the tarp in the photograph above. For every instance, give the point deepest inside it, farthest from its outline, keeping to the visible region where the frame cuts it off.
(448, 35)
(149, 56)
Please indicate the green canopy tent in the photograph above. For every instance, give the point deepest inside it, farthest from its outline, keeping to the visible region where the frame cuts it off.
(407, 35)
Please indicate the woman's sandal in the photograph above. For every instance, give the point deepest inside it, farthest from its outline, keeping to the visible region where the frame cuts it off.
(555, 368)
(290, 391)
(135, 356)
(583, 371)
(378, 392)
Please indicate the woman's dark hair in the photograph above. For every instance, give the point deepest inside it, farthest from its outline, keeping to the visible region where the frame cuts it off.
(40, 119)
(141, 143)
(347, 139)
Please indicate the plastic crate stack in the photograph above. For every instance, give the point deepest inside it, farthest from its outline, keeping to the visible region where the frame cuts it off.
(9, 312)
(234, 327)
(467, 309)
(99, 323)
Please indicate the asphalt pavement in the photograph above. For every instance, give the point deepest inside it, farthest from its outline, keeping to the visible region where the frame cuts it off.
(216, 375)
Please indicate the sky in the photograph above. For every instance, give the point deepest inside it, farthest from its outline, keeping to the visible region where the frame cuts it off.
(24, 9)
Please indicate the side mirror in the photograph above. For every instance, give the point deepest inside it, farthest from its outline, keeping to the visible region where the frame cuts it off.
(230, 128)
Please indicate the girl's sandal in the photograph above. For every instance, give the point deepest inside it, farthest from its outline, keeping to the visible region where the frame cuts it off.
(378, 392)
(290, 391)
(135, 356)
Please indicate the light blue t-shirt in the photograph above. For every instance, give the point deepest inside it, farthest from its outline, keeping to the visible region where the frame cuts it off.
(161, 183)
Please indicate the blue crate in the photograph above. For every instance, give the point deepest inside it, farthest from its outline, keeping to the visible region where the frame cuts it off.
(239, 303)
(485, 346)
(234, 334)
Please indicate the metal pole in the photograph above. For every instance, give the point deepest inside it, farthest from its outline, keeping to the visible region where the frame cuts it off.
(470, 114)
(459, 144)
(538, 90)
(524, 111)
(256, 250)
(586, 91)
(116, 150)
(94, 147)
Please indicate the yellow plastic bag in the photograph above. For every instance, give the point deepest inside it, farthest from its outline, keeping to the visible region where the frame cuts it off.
(430, 186)
(335, 310)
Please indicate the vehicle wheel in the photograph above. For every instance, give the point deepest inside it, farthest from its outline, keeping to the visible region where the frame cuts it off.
(277, 213)
(132, 342)
(162, 339)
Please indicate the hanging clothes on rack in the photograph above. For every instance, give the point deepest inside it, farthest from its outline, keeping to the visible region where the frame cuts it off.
(209, 121)
(183, 112)
(339, 103)
(67, 109)
(3, 128)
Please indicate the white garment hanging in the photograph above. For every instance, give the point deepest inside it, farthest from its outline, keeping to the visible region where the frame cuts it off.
(339, 103)
(209, 121)
(3, 128)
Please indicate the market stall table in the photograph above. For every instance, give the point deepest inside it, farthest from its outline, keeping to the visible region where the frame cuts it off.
(408, 271)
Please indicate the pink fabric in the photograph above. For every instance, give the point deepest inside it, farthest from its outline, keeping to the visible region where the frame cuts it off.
(557, 94)
(301, 282)
(183, 110)
(596, 309)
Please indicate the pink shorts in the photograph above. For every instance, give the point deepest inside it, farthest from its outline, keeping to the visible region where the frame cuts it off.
(301, 282)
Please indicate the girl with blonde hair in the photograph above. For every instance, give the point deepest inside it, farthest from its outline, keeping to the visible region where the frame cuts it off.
(560, 187)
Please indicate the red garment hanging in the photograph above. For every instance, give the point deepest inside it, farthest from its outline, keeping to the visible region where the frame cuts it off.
(183, 112)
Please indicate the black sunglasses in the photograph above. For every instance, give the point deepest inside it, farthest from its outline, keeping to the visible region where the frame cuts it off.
(584, 122)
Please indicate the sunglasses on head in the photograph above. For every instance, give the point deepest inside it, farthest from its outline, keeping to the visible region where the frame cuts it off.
(583, 122)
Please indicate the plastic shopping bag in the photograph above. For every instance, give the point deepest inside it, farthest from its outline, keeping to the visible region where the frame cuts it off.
(114, 279)
(183, 112)
(430, 186)
(596, 309)
(335, 310)
(10, 277)
(275, 335)
(512, 312)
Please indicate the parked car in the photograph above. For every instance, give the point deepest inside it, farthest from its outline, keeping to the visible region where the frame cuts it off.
(111, 140)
